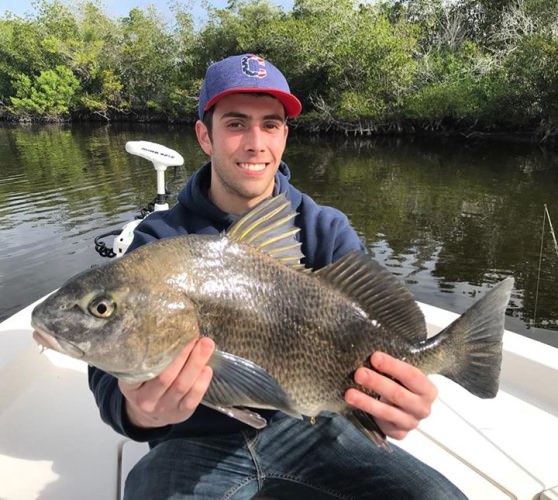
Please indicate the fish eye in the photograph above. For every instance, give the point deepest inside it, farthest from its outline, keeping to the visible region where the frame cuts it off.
(102, 307)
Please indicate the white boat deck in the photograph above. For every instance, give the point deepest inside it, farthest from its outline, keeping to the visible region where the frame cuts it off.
(53, 445)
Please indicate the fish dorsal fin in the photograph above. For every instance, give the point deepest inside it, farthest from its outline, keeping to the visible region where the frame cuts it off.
(381, 295)
(270, 228)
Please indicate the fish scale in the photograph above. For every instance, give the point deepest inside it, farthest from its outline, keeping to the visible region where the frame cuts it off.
(304, 347)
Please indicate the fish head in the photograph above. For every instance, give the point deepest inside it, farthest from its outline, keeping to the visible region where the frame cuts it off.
(120, 317)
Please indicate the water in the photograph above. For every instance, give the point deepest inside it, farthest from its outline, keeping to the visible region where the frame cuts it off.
(451, 219)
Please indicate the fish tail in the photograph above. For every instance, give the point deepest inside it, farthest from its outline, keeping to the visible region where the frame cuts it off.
(472, 344)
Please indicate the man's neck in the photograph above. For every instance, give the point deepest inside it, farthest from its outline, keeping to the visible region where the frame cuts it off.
(233, 204)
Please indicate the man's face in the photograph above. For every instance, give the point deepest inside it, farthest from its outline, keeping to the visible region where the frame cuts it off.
(248, 138)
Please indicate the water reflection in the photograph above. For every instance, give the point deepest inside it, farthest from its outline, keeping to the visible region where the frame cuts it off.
(450, 219)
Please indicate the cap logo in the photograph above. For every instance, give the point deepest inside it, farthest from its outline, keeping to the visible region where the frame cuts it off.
(253, 66)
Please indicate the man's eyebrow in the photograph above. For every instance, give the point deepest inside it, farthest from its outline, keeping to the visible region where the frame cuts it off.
(238, 114)
(275, 116)
(234, 114)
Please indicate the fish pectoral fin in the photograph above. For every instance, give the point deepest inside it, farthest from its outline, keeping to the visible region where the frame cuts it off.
(244, 415)
(238, 382)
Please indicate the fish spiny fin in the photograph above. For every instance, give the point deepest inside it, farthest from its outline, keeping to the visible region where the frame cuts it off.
(238, 382)
(270, 228)
(383, 297)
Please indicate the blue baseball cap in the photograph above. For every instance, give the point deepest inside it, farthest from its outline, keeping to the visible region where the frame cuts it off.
(245, 73)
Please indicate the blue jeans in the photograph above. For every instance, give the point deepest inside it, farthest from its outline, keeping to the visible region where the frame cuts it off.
(288, 459)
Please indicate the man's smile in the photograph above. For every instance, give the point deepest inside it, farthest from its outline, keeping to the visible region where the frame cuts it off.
(255, 167)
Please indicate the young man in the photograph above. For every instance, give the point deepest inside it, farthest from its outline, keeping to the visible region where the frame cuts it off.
(197, 452)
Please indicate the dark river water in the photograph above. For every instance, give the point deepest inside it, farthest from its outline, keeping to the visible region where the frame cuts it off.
(450, 219)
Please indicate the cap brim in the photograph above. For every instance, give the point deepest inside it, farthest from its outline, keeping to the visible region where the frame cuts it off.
(292, 105)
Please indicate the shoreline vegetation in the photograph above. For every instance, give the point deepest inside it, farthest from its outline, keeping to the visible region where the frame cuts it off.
(472, 69)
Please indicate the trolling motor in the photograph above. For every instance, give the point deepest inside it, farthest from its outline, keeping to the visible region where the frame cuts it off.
(162, 158)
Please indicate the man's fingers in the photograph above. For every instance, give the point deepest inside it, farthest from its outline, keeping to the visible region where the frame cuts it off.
(148, 393)
(173, 395)
(405, 394)
(408, 375)
(393, 421)
(190, 371)
(194, 397)
(131, 387)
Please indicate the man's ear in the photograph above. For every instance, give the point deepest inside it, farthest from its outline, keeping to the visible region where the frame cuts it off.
(203, 138)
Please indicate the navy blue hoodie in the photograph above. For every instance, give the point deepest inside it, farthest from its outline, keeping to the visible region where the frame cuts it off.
(325, 233)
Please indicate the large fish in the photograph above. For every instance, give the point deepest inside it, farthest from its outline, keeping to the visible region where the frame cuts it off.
(287, 338)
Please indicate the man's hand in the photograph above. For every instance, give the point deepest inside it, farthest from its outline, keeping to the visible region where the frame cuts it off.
(402, 405)
(174, 394)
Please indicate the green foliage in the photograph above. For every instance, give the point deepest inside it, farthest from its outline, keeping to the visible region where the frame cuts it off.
(450, 86)
(20, 52)
(50, 95)
(533, 76)
(356, 66)
(145, 57)
(106, 96)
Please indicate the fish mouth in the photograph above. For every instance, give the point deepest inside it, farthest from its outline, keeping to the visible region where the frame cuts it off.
(49, 341)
